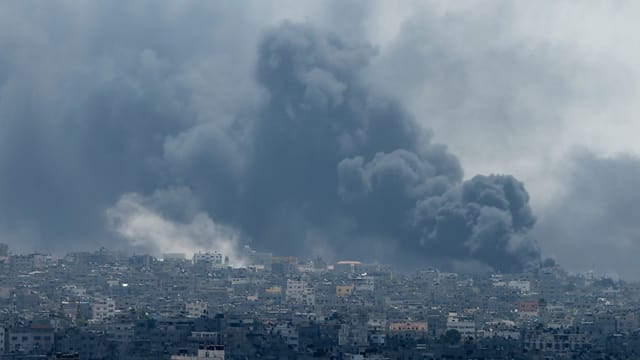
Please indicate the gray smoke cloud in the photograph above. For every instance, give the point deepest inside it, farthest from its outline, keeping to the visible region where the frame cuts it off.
(327, 155)
(488, 220)
(308, 159)
(87, 105)
(169, 221)
(495, 90)
(593, 225)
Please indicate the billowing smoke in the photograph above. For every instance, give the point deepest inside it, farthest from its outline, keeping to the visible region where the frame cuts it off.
(597, 214)
(317, 162)
(169, 222)
(326, 155)
(488, 220)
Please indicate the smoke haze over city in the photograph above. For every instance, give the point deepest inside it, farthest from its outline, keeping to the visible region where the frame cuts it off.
(475, 137)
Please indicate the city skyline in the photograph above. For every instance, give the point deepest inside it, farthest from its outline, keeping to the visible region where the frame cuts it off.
(104, 305)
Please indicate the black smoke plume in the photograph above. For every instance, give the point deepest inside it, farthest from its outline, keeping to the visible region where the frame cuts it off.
(333, 166)
(323, 166)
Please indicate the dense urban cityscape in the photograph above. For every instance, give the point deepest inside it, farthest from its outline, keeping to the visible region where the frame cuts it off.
(107, 305)
(319, 179)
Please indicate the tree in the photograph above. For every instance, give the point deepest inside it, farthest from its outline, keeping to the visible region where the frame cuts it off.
(451, 337)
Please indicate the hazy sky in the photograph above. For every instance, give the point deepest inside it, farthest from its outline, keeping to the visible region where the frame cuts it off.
(304, 126)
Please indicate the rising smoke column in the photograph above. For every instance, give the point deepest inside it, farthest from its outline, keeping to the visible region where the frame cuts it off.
(328, 155)
(169, 221)
(488, 219)
(323, 165)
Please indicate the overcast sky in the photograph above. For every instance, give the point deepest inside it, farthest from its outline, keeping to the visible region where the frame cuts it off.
(299, 127)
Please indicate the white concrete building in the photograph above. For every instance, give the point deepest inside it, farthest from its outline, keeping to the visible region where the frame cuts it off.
(464, 325)
(523, 286)
(103, 309)
(197, 309)
(299, 291)
(210, 258)
(364, 283)
(211, 352)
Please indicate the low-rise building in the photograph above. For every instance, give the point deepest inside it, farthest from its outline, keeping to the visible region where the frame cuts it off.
(103, 308)
(301, 292)
(210, 352)
(35, 339)
(197, 309)
(466, 326)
